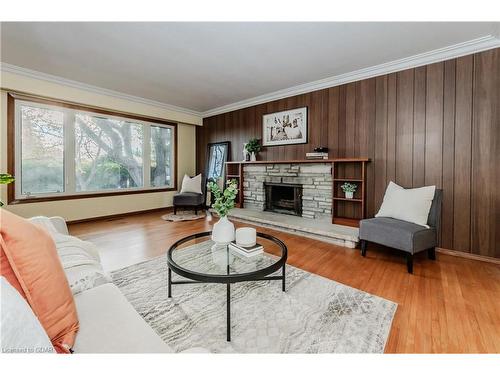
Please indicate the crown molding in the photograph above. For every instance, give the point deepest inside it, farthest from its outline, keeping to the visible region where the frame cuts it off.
(426, 58)
(9, 68)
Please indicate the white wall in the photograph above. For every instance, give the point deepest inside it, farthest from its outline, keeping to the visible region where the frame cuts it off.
(76, 209)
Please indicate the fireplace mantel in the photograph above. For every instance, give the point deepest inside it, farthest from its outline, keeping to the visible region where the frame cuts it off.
(299, 161)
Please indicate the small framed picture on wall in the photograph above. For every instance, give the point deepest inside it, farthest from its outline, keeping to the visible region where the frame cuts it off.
(285, 128)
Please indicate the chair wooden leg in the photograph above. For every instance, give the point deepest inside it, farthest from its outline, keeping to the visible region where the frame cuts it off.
(409, 262)
(363, 247)
(175, 210)
(431, 253)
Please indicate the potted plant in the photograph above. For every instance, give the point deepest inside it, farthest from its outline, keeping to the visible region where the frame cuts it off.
(223, 230)
(253, 146)
(5, 179)
(349, 189)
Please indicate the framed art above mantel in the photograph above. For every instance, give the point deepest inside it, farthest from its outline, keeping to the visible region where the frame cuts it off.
(285, 127)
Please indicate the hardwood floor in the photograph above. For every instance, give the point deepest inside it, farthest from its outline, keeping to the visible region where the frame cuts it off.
(451, 305)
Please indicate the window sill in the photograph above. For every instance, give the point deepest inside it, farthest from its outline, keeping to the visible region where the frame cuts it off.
(89, 195)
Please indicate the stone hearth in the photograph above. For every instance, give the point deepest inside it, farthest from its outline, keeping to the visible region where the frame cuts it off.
(319, 229)
(316, 181)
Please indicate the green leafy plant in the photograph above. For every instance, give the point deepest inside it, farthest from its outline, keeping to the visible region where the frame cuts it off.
(5, 179)
(253, 145)
(347, 187)
(224, 200)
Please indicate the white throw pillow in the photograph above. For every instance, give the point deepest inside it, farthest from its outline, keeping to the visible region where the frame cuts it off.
(45, 223)
(81, 263)
(412, 205)
(80, 259)
(191, 185)
(21, 330)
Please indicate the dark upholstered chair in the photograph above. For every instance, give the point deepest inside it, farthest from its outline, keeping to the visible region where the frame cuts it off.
(402, 235)
(191, 201)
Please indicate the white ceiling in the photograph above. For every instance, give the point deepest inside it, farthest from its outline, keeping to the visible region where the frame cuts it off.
(202, 66)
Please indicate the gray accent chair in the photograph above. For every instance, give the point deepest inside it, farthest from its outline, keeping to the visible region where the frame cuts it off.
(191, 201)
(402, 235)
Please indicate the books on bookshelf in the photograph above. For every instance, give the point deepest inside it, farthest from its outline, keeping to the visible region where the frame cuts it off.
(246, 251)
(316, 155)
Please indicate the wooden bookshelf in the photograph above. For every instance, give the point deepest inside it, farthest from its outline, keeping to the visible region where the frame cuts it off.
(348, 179)
(347, 199)
(234, 171)
(347, 211)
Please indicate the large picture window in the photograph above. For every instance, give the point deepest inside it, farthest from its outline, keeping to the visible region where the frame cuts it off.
(41, 132)
(64, 150)
(108, 153)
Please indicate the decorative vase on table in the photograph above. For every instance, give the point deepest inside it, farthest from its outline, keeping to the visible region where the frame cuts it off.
(253, 157)
(223, 231)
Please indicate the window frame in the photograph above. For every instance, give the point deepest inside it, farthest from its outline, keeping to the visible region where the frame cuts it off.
(14, 195)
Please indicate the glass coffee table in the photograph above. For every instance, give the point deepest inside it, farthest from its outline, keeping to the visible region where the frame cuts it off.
(198, 259)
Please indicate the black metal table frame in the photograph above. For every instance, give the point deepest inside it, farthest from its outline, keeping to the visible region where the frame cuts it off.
(198, 278)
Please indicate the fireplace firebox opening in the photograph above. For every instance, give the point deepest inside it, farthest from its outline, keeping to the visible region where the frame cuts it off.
(283, 198)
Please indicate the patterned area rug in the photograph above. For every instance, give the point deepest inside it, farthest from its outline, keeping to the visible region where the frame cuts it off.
(183, 216)
(315, 315)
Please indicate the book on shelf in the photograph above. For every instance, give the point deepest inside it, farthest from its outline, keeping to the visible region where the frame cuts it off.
(317, 155)
(246, 251)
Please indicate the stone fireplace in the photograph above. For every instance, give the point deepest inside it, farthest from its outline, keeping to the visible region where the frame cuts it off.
(283, 198)
(315, 180)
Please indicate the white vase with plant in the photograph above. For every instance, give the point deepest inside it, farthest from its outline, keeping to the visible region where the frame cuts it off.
(223, 230)
(349, 189)
(253, 147)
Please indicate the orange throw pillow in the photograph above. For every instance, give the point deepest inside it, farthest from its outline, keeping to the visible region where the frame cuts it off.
(30, 263)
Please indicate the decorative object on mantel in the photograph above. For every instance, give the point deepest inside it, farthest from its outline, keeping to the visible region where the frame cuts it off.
(317, 155)
(246, 154)
(320, 153)
(253, 147)
(223, 230)
(5, 179)
(349, 189)
(285, 128)
(321, 149)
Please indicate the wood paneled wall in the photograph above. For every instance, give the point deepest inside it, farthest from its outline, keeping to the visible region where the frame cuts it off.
(437, 124)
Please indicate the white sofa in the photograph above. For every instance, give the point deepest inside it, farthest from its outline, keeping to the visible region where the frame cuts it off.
(108, 322)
